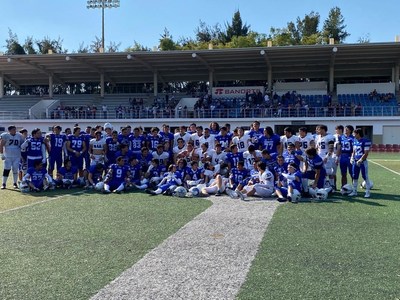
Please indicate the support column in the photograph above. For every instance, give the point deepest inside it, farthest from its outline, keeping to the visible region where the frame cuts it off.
(51, 86)
(155, 84)
(270, 79)
(102, 85)
(396, 78)
(331, 79)
(210, 82)
(1, 86)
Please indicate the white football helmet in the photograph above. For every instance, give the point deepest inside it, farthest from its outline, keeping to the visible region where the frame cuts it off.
(364, 184)
(296, 195)
(322, 194)
(24, 187)
(108, 125)
(312, 192)
(99, 186)
(180, 191)
(195, 191)
(346, 189)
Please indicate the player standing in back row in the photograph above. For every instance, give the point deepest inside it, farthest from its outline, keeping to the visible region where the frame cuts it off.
(10, 151)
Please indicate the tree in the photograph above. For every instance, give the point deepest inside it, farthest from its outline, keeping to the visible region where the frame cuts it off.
(364, 39)
(166, 42)
(48, 44)
(334, 27)
(29, 46)
(13, 46)
(236, 28)
(137, 47)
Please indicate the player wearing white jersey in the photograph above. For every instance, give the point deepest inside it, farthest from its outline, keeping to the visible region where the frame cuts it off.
(250, 156)
(323, 139)
(97, 149)
(287, 138)
(242, 140)
(264, 188)
(10, 151)
(305, 138)
(209, 138)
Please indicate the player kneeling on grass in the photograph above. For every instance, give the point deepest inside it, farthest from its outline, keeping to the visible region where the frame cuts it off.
(117, 177)
(94, 175)
(37, 178)
(292, 189)
(168, 183)
(67, 176)
(264, 186)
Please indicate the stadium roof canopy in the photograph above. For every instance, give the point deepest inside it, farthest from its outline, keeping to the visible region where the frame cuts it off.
(289, 62)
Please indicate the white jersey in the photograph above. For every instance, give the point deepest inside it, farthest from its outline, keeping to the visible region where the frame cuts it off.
(210, 140)
(185, 137)
(210, 174)
(242, 142)
(162, 158)
(305, 141)
(249, 158)
(97, 145)
(217, 158)
(12, 144)
(196, 139)
(285, 141)
(267, 178)
(322, 144)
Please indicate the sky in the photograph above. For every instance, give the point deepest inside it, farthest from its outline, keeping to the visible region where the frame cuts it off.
(144, 21)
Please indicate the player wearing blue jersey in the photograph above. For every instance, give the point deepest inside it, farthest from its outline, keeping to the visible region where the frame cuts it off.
(137, 142)
(125, 153)
(37, 177)
(112, 145)
(238, 175)
(56, 141)
(169, 182)
(223, 138)
(359, 161)
(76, 147)
(314, 170)
(95, 174)
(67, 176)
(233, 157)
(270, 141)
(194, 175)
(293, 178)
(35, 148)
(346, 150)
(117, 177)
(154, 139)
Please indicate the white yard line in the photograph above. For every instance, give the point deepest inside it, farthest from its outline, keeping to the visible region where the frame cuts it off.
(386, 168)
(39, 202)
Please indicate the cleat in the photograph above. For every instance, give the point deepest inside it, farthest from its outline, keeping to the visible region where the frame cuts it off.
(367, 194)
(15, 186)
(3, 187)
(281, 199)
(106, 192)
(352, 194)
(231, 193)
(241, 196)
(117, 192)
(218, 194)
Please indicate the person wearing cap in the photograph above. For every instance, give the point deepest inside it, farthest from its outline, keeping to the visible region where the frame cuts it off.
(10, 152)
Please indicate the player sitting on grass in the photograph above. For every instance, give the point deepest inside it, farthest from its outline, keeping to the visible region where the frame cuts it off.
(170, 181)
(37, 177)
(116, 177)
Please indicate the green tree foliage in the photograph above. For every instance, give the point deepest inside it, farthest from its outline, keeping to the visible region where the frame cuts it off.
(334, 27)
(236, 28)
(29, 46)
(47, 44)
(166, 42)
(137, 47)
(303, 32)
(13, 46)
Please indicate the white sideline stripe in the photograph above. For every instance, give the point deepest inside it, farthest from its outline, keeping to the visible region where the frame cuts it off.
(378, 164)
(36, 203)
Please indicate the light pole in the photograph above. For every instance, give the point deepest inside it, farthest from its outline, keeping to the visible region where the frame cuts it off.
(102, 4)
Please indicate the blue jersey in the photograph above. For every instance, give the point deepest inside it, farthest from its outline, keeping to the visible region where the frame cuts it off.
(347, 143)
(126, 156)
(37, 176)
(256, 137)
(124, 139)
(238, 176)
(35, 147)
(119, 173)
(224, 140)
(360, 147)
(137, 142)
(144, 161)
(294, 183)
(195, 174)
(112, 148)
(234, 158)
(97, 175)
(182, 171)
(167, 136)
(271, 162)
(279, 170)
(135, 172)
(153, 142)
(68, 173)
(57, 142)
(270, 143)
(76, 142)
(316, 163)
(292, 156)
(157, 171)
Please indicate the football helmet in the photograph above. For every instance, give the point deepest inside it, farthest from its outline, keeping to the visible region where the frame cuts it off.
(99, 186)
(180, 192)
(346, 189)
(296, 196)
(24, 187)
(195, 191)
(322, 194)
(364, 184)
(312, 192)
